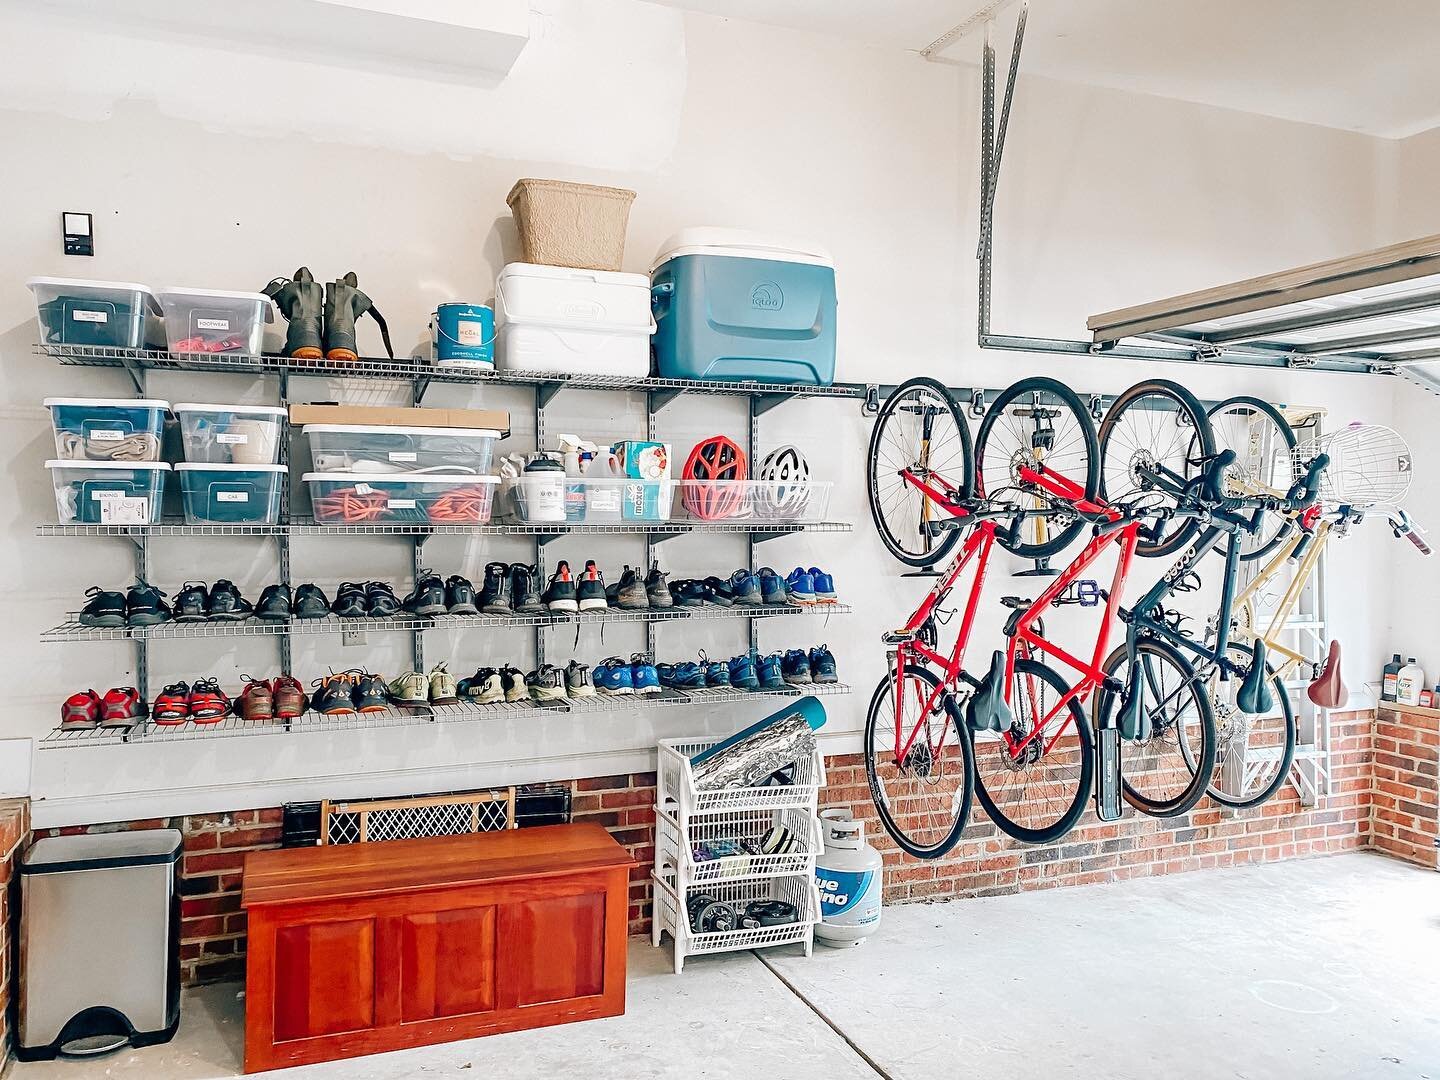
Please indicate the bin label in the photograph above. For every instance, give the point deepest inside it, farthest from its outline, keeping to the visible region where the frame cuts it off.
(232, 496)
(402, 455)
(212, 324)
(125, 510)
(228, 438)
(106, 435)
(90, 316)
(401, 504)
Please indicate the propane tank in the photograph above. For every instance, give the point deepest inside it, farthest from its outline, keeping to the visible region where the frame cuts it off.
(850, 876)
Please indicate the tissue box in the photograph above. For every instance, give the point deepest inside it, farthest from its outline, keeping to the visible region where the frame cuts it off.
(644, 460)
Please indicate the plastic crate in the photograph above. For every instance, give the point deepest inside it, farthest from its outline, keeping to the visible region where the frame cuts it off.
(427, 498)
(104, 314)
(597, 502)
(107, 429)
(108, 492)
(677, 795)
(214, 321)
(231, 494)
(231, 434)
(677, 846)
(366, 448)
(754, 500)
(670, 914)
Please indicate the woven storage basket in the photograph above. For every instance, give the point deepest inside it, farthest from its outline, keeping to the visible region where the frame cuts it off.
(564, 224)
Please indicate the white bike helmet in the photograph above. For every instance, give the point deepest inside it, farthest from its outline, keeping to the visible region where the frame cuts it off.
(782, 484)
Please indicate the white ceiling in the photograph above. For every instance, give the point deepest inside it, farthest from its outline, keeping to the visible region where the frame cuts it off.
(1358, 65)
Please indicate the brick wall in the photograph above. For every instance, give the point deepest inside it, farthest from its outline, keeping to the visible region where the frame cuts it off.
(1406, 801)
(14, 833)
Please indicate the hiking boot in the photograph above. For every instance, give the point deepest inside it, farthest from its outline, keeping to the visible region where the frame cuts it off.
(643, 675)
(744, 587)
(344, 304)
(614, 678)
(257, 701)
(81, 711)
(310, 602)
(412, 688)
(443, 690)
(190, 602)
(742, 673)
(824, 586)
(172, 705)
(208, 703)
(801, 586)
(513, 680)
(349, 601)
(428, 596)
(772, 587)
(795, 666)
(334, 695)
(380, 600)
(590, 593)
(822, 665)
(145, 606)
(460, 596)
(103, 609)
(288, 696)
(720, 592)
(371, 695)
(546, 683)
(578, 683)
(770, 670)
(656, 589)
(302, 301)
(687, 592)
(275, 603)
(495, 591)
(560, 596)
(122, 707)
(629, 593)
(225, 604)
(525, 590)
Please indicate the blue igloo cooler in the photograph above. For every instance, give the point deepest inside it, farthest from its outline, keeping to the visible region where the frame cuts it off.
(744, 306)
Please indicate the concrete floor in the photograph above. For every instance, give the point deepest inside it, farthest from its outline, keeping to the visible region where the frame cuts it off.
(1328, 968)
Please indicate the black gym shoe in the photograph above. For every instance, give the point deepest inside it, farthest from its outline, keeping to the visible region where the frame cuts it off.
(349, 602)
(275, 603)
(656, 588)
(370, 695)
(525, 590)
(495, 592)
(190, 602)
(720, 591)
(560, 596)
(310, 602)
(460, 596)
(104, 608)
(225, 604)
(687, 592)
(590, 593)
(145, 605)
(428, 596)
(628, 593)
(380, 600)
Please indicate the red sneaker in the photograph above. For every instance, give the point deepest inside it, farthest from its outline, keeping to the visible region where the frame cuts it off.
(172, 705)
(80, 711)
(122, 707)
(289, 697)
(256, 701)
(208, 703)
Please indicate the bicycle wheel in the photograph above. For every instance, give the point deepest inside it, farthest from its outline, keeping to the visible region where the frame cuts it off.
(1253, 751)
(1036, 421)
(1262, 442)
(1165, 773)
(921, 429)
(923, 800)
(1154, 426)
(1038, 794)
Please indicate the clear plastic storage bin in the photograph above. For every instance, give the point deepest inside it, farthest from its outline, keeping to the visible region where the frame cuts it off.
(364, 448)
(211, 321)
(107, 429)
(112, 314)
(419, 498)
(108, 492)
(231, 494)
(231, 434)
(775, 501)
(604, 501)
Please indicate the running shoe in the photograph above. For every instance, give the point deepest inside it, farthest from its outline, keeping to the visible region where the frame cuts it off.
(275, 603)
(796, 667)
(190, 602)
(629, 593)
(310, 602)
(412, 688)
(334, 694)
(742, 673)
(745, 587)
(614, 677)
(145, 606)
(443, 690)
(349, 602)
(104, 608)
(460, 596)
(822, 665)
(257, 700)
(772, 587)
(288, 696)
(123, 706)
(590, 592)
(770, 670)
(484, 687)
(513, 680)
(380, 600)
(371, 695)
(560, 596)
(656, 589)
(686, 675)
(82, 710)
(172, 705)
(687, 592)
(578, 683)
(495, 590)
(719, 591)
(208, 703)
(824, 585)
(525, 590)
(225, 604)
(801, 586)
(717, 673)
(546, 683)
(428, 596)
(643, 675)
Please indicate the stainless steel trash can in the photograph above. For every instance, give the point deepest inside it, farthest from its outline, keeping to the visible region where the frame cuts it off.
(99, 949)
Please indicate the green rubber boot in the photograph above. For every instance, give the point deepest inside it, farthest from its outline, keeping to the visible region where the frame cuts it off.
(344, 304)
(301, 300)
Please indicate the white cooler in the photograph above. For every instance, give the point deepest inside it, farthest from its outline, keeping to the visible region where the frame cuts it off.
(555, 320)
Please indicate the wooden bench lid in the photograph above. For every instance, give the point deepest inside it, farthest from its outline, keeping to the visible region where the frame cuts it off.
(291, 875)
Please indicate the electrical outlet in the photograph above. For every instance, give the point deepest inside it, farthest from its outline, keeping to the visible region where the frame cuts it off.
(352, 637)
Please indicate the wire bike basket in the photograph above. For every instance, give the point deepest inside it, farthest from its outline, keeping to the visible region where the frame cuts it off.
(1369, 465)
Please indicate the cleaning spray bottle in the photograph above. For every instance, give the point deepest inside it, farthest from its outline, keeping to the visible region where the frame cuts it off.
(575, 453)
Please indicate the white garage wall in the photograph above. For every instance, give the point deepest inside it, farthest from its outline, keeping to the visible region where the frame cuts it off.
(223, 170)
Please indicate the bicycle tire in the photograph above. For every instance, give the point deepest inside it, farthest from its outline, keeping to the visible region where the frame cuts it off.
(1117, 467)
(925, 550)
(1199, 766)
(1287, 756)
(879, 701)
(1287, 434)
(1090, 446)
(1066, 821)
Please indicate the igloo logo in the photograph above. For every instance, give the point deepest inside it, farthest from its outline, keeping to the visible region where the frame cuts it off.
(767, 296)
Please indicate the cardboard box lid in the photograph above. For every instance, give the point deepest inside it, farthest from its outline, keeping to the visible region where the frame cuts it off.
(400, 417)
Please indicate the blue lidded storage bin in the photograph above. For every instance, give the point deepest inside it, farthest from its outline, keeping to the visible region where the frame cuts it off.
(743, 306)
(230, 494)
(108, 492)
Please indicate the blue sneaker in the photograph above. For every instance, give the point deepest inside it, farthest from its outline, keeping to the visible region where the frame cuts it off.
(685, 675)
(772, 587)
(822, 665)
(746, 588)
(770, 671)
(801, 586)
(717, 674)
(643, 675)
(613, 677)
(742, 673)
(824, 586)
(796, 667)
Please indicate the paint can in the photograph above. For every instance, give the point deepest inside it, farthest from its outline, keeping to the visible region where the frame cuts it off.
(464, 335)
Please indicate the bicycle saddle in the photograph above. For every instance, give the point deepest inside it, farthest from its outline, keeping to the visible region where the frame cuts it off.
(986, 710)
(1254, 695)
(1328, 689)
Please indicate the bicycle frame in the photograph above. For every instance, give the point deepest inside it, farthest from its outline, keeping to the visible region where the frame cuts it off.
(1286, 607)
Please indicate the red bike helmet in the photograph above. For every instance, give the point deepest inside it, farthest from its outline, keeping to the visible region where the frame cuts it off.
(714, 459)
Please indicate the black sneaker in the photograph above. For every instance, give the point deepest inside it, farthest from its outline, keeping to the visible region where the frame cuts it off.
(629, 592)
(106, 608)
(720, 592)
(656, 588)
(560, 596)
(591, 591)
(349, 601)
(495, 592)
(310, 602)
(460, 596)
(145, 605)
(687, 592)
(380, 600)
(275, 603)
(525, 590)
(512, 679)
(370, 695)
(225, 604)
(428, 596)
(190, 602)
